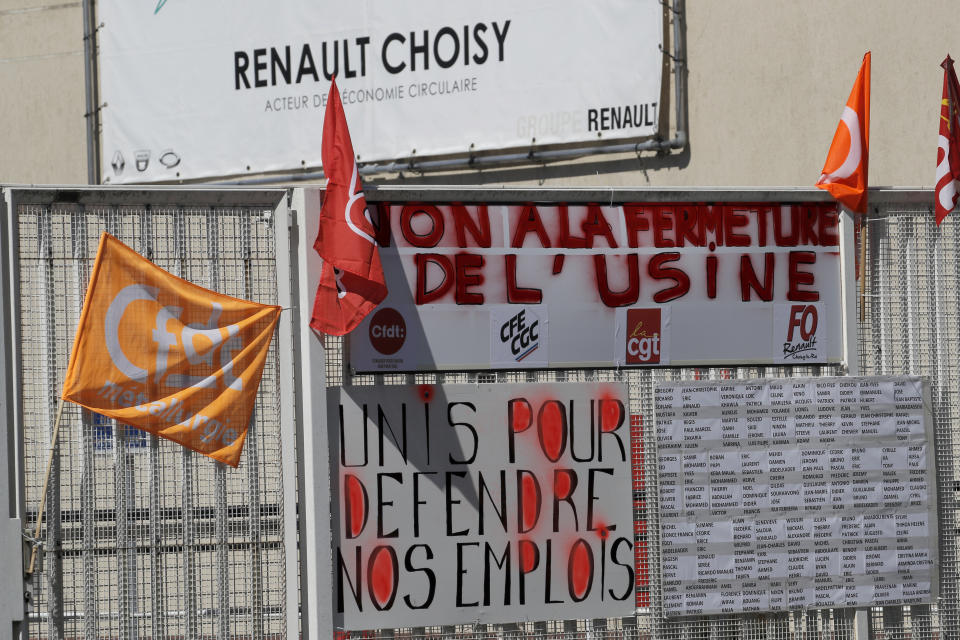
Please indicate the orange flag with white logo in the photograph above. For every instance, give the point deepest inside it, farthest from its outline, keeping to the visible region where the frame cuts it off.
(169, 357)
(845, 171)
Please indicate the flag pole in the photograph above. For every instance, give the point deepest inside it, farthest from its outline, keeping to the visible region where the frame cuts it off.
(43, 492)
(863, 264)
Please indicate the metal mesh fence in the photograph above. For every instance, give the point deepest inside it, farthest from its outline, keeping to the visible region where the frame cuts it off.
(908, 325)
(144, 538)
(649, 621)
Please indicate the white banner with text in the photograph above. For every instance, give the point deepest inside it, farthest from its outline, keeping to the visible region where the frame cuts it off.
(796, 493)
(476, 286)
(481, 503)
(203, 89)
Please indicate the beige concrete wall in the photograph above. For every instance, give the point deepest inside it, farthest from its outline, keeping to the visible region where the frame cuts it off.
(767, 83)
(42, 129)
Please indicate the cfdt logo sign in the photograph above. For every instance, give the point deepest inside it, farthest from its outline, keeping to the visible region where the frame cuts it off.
(644, 336)
(798, 335)
(387, 331)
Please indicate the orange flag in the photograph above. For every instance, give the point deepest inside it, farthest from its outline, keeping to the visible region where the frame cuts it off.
(169, 357)
(845, 171)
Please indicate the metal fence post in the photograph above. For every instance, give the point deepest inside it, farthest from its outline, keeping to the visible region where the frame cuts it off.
(87, 441)
(53, 558)
(219, 469)
(158, 619)
(12, 515)
(316, 563)
(126, 551)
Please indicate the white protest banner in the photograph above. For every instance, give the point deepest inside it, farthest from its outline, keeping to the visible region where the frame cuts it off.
(203, 89)
(476, 286)
(481, 503)
(796, 493)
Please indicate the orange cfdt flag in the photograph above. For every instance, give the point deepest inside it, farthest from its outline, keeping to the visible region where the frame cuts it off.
(169, 357)
(844, 174)
(947, 188)
(351, 280)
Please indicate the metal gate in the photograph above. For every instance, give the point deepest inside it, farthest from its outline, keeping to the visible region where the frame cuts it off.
(146, 540)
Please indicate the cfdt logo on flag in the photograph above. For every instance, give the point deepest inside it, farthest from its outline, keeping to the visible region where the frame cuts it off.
(518, 336)
(198, 342)
(644, 336)
(798, 335)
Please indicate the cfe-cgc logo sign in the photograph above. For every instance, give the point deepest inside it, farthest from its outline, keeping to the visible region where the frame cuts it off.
(522, 337)
(645, 343)
(518, 336)
(798, 333)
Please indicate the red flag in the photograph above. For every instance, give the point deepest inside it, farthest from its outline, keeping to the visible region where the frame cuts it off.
(845, 171)
(351, 282)
(948, 145)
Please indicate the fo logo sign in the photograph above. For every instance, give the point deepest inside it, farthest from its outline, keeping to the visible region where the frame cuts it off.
(798, 334)
(804, 318)
(644, 336)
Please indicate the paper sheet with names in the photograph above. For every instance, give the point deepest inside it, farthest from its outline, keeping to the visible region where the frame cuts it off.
(796, 493)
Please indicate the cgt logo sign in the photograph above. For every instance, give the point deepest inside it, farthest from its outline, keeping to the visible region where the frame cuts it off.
(644, 336)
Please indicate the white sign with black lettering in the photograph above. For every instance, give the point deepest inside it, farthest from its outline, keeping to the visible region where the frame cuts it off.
(796, 493)
(518, 336)
(466, 503)
(200, 89)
